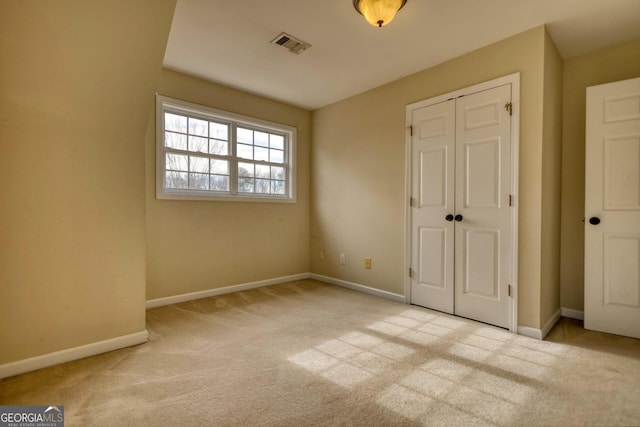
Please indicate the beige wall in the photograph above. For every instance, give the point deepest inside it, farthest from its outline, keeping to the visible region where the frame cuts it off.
(200, 245)
(358, 166)
(608, 65)
(75, 84)
(551, 182)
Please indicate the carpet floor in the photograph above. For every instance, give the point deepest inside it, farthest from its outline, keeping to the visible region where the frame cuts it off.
(307, 353)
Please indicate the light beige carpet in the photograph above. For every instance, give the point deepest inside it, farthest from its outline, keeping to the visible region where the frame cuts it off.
(307, 353)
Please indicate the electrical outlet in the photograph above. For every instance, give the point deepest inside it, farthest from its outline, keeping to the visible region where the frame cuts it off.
(321, 255)
(343, 259)
(367, 263)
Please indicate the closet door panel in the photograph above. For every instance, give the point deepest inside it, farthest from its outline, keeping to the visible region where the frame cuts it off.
(483, 156)
(432, 172)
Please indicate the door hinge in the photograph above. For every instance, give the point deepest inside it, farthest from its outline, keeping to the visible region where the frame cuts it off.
(412, 202)
(509, 290)
(410, 130)
(411, 272)
(510, 200)
(509, 107)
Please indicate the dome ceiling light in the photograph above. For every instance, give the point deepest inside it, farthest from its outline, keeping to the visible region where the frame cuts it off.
(378, 12)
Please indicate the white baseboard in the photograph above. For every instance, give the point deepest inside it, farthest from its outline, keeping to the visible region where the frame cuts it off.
(360, 288)
(530, 332)
(539, 334)
(551, 323)
(571, 313)
(158, 302)
(75, 353)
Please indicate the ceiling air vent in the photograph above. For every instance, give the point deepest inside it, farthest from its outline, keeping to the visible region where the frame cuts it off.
(291, 43)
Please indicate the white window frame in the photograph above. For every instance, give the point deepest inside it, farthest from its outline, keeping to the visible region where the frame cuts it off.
(164, 103)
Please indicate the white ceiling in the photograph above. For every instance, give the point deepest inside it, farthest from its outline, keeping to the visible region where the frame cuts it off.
(228, 41)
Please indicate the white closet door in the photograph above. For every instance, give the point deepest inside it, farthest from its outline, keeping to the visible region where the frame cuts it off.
(460, 239)
(482, 241)
(612, 209)
(433, 162)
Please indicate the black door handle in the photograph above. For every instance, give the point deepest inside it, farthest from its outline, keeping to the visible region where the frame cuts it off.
(458, 218)
(594, 220)
(449, 217)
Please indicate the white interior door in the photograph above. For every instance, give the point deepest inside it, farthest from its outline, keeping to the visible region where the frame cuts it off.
(432, 189)
(612, 208)
(482, 241)
(460, 219)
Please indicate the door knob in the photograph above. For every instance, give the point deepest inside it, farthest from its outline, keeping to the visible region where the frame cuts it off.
(458, 218)
(449, 217)
(594, 220)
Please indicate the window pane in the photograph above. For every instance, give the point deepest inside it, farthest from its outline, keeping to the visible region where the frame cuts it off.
(175, 140)
(176, 162)
(218, 156)
(198, 181)
(263, 186)
(245, 169)
(175, 122)
(277, 172)
(277, 141)
(176, 180)
(278, 187)
(220, 167)
(199, 144)
(245, 135)
(263, 171)
(245, 151)
(198, 127)
(261, 139)
(261, 153)
(219, 183)
(218, 147)
(277, 156)
(245, 185)
(198, 164)
(219, 131)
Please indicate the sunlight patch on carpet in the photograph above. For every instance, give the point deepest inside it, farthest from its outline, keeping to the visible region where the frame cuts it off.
(350, 359)
(417, 407)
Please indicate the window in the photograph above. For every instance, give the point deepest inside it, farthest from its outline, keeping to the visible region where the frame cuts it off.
(203, 153)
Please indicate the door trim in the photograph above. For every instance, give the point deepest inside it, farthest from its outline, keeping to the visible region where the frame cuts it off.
(514, 80)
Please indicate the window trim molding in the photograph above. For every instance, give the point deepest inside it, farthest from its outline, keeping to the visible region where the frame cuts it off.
(208, 113)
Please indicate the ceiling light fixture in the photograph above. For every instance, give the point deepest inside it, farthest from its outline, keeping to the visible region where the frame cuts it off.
(378, 12)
